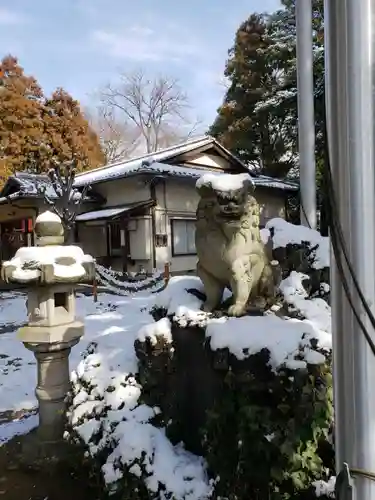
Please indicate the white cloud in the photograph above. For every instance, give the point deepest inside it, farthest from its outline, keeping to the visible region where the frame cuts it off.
(142, 43)
(10, 18)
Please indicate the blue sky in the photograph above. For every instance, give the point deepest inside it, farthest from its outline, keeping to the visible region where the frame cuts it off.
(84, 44)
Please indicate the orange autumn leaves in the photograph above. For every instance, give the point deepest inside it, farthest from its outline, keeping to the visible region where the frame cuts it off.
(36, 129)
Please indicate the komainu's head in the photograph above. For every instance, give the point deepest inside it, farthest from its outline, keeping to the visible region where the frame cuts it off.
(228, 195)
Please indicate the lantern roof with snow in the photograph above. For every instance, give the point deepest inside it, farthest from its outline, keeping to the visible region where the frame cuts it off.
(50, 262)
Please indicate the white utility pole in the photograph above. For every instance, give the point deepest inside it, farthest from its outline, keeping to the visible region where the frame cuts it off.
(306, 119)
(349, 39)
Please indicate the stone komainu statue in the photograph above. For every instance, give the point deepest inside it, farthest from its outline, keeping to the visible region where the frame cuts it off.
(229, 247)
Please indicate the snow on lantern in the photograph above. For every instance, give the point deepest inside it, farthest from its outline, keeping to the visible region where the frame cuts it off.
(51, 272)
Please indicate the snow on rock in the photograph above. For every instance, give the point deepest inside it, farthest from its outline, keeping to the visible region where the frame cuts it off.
(288, 341)
(325, 488)
(155, 331)
(224, 182)
(284, 233)
(182, 306)
(285, 338)
(179, 303)
(315, 310)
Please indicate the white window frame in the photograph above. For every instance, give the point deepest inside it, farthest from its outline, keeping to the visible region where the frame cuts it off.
(184, 245)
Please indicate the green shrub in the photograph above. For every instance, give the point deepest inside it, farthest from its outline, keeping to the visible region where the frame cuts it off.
(267, 436)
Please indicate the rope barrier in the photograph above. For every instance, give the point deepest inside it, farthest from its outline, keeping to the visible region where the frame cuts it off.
(124, 287)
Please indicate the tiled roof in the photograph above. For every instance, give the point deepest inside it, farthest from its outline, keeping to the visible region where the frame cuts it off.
(26, 184)
(138, 167)
(152, 164)
(121, 169)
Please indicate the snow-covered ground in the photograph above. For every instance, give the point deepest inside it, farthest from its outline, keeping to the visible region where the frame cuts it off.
(104, 368)
(105, 358)
(115, 331)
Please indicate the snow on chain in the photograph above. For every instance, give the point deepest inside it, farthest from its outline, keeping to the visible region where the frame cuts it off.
(152, 284)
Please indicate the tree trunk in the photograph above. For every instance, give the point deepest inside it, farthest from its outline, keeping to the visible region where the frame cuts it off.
(68, 235)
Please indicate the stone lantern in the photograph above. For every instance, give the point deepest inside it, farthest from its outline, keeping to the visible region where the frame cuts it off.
(51, 271)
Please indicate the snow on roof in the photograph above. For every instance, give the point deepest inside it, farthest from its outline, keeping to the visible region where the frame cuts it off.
(108, 213)
(100, 214)
(137, 167)
(119, 169)
(153, 163)
(27, 184)
(11, 197)
(30, 184)
(271, 182)
(224, 182)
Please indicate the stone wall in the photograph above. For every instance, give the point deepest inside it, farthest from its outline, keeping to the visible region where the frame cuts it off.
(261, 431)
(183, 381)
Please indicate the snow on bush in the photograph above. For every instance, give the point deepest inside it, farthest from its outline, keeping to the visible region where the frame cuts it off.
(107, 414)
(154, 331)
(283, 233)
(315, 310)
(325, 488)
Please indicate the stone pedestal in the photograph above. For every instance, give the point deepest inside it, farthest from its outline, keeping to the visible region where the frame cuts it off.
(51, 346)
(52, 386)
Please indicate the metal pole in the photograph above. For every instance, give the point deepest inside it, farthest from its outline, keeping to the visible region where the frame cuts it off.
(306, 119)
(335, 60)
(349, 87)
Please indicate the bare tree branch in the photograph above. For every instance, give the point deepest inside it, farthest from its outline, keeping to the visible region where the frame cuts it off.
(119, 139)
(68, 199)
(158, 109)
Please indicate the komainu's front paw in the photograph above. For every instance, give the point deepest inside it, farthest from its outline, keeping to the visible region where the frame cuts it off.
(236, 310)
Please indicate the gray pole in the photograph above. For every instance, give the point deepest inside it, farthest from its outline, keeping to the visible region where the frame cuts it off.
(306, 120)
(349, 84)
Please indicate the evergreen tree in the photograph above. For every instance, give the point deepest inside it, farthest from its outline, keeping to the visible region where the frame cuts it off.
(35, 130)
(258, 118)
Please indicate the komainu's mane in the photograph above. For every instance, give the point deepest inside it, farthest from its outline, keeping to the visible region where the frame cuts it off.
(249, 219)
